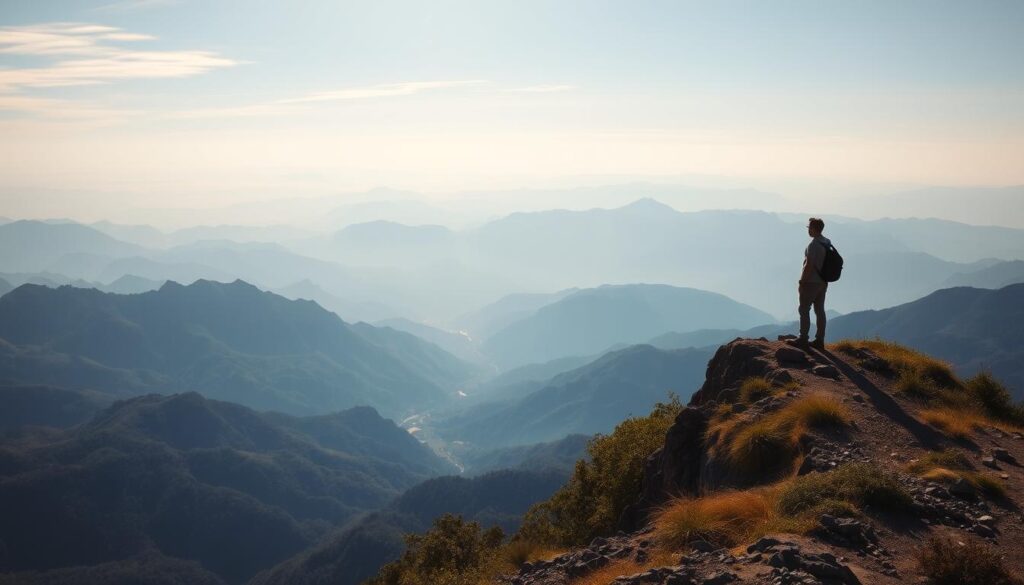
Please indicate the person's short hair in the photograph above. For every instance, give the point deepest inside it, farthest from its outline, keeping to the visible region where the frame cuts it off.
(817, 223)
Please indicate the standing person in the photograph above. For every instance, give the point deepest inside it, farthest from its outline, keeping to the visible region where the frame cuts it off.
(812, 286)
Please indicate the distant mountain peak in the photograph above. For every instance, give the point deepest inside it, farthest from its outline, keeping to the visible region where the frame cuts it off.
(648, 205)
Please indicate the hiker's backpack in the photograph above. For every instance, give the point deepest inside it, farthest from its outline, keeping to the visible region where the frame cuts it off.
(832, 267)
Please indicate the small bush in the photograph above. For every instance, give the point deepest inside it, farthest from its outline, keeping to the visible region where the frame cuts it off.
(945, 562)
(859, 484)
(994, 399)
(452, 552)
(594, 498)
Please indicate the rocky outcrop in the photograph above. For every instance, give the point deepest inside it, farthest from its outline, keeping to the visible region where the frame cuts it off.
(882, 429)
(674, 469)
(682, 466)
(732, 363)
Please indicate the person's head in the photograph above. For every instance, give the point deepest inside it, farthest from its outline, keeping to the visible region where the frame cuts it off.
(815, 226)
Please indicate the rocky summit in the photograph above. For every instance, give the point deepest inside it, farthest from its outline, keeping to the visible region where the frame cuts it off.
(863, 463)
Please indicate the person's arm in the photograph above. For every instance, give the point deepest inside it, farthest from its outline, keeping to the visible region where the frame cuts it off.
(808, 272)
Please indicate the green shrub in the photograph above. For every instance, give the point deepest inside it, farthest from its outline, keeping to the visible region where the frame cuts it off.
(947, 458)
(452, 552)
(945, 562)
(994, 399)
(859, 484)
(590, 504)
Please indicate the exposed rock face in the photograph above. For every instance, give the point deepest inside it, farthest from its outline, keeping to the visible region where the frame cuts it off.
(733, 363)
(675, 469)
(682, 466)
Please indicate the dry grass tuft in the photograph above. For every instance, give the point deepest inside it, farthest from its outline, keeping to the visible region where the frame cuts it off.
(949, 466)
(620, 568)
(724, 519)
(941, 475)
(767, 445)
(954, 423)
(519, 551)
(945, 562)
(928, 370)
(754, 389)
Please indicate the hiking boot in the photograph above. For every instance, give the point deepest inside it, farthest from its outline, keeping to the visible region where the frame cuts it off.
(818, 344)
(800, 343)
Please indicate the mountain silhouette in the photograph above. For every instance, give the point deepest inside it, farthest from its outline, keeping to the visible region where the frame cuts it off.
(46, 406)
(972, 328)
(229, 341)
(195, 479)
(592, 320)
(31, 246)
(356, 552)
(997, 275)
(587, 400)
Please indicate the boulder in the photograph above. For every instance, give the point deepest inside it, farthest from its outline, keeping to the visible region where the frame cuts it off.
(790, 355)
(1003, 455)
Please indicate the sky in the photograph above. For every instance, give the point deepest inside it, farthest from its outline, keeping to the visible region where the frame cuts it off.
(107, 105)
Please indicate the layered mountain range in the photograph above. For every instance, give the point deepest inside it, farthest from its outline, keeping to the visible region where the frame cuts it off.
(229, 341)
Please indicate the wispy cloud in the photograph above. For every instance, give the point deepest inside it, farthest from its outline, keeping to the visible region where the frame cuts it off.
(382, 90)
(300, 103)
(543, 88)
(86, 54)
(59, 109)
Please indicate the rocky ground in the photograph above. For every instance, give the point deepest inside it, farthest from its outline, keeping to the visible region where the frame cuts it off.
(874, 548)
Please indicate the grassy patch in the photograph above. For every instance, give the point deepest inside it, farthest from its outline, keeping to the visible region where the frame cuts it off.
(858, 484)
(979, 400)
(755, 388)
(949, 466)
(519, 551)
(953, 423)
(945, 562)
(767, 445)
(724, 519)
(736, 517)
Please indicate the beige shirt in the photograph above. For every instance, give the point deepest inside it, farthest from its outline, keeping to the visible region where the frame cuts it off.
(815, 256)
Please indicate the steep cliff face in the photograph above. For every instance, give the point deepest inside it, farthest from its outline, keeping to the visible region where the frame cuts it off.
(838, 466)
